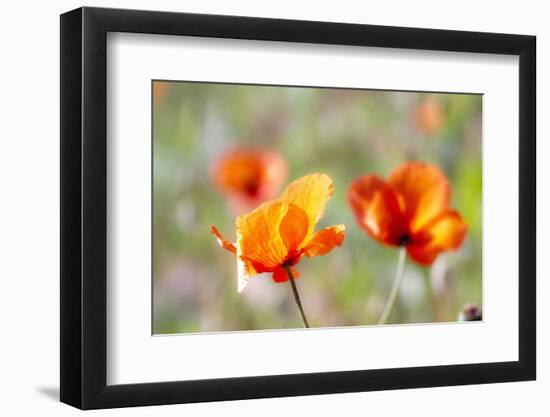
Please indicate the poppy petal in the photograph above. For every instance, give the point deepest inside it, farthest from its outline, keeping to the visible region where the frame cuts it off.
(279, 274)
(310, 193)
(245, 270)
(294, 227)
(446, 232)
(423, 192)
(223, 242)
(258, 235)
(376, 209)
(325, 240)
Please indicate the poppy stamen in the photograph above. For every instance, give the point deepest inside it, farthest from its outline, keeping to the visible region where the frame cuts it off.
(403, 241)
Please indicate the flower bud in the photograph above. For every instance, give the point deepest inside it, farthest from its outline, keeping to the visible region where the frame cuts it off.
(470, 312)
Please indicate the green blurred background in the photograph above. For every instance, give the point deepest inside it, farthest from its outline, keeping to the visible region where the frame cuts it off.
(343, 133)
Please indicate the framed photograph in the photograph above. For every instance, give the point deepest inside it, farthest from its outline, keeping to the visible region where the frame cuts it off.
(258, 208)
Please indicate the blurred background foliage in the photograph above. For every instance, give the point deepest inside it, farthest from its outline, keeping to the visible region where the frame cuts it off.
(343, 133)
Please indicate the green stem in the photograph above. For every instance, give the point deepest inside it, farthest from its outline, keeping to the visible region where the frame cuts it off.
(430, 296)
(296, 295)
(396, 284)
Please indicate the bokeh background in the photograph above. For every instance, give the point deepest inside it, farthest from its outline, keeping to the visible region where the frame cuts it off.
(343, 133)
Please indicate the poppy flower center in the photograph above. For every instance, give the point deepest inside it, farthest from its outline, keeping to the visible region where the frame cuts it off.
(404, 240)
(252, 187)
(292, 259)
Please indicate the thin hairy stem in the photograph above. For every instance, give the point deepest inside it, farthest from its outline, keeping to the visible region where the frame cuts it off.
(296, 295)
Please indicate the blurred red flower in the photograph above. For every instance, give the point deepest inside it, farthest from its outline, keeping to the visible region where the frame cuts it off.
(411, 209)
(249, 176)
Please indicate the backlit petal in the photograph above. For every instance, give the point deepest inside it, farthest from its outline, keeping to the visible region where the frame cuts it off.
(446, 232)
(423, 192)
(376, 209)
(310, 193)
(223, 242)
(245, 270)
(294, 227)
(258, 234)
(325, 240)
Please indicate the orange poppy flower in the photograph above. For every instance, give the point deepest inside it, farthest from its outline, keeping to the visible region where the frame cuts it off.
(278, 233)
(429, 116)
(249, 176)
(411, 209)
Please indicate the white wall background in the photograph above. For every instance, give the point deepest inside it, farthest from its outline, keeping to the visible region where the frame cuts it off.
(29, 225)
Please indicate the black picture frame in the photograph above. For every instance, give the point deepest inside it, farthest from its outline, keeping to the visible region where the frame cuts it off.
(84, 207)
